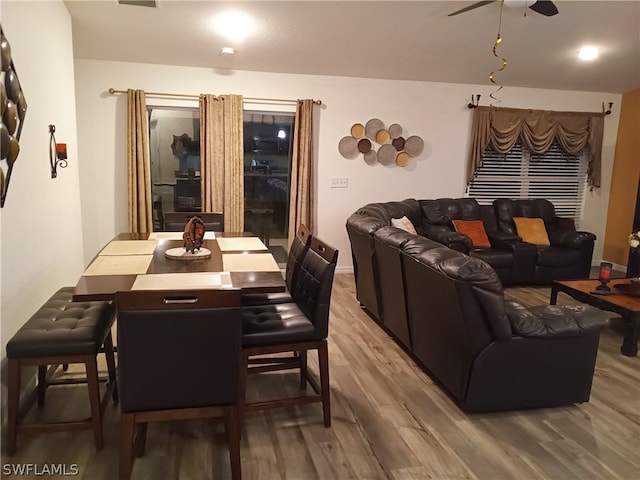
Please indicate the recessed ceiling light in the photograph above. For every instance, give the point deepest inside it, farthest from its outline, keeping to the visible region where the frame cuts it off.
(234, 25)
(227, 51)
(588, 53)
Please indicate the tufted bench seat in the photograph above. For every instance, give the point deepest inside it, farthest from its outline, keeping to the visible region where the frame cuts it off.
(61, 332)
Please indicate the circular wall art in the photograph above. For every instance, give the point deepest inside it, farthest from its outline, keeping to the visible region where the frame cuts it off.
(392, 147)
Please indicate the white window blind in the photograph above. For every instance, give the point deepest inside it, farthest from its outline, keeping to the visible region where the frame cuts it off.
(555, 175)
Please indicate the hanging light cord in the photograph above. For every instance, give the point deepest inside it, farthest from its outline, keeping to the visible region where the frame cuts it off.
(495, 54)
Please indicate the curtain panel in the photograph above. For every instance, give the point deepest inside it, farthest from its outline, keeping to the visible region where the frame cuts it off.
(139, 188)
(502, 128)
(222, 158)
(301, 194)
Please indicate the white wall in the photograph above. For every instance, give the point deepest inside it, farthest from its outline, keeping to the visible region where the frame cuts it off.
(41, 242)
(435, 111)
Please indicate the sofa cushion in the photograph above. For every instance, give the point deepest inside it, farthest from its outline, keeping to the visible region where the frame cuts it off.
(557, 256)
(532, 230)
(474, 229)
(405, 224)
(494, 257)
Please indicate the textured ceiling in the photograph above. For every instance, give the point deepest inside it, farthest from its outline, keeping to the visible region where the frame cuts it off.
(377, 39)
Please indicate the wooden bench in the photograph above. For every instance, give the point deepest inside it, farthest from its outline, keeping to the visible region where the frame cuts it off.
(61, 332)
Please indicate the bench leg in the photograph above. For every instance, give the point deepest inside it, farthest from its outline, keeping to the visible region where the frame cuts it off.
(42, 384)
(91, 368)
(13, 404)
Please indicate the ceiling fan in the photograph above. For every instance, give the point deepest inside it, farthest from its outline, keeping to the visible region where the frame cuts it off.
(543, 7)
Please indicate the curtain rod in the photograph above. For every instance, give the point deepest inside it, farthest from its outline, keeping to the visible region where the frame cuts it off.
(113, 91)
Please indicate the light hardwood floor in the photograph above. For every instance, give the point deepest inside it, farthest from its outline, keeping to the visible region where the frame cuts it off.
(389, 421)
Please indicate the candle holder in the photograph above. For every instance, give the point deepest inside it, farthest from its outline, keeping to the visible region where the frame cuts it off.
(57, 153)
(604, 277)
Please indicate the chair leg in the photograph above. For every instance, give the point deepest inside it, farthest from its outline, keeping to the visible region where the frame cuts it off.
(304, 373)
(42, 384)
(242, 386)
(140, 439)
(323, 363)
(13, 404)
(127, 431)
(93, 385)
(111, 365)
(233, 426)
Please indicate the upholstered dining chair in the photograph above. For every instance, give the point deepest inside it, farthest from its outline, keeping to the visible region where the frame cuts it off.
(297, 251)
(176, 221)
(178, 359)
(295, 328)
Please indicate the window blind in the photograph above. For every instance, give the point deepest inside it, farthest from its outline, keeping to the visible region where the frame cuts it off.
(555, 175)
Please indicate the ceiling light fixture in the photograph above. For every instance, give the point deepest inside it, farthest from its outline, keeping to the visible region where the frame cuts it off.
(227, 51)
(588, 53)
(234, 25)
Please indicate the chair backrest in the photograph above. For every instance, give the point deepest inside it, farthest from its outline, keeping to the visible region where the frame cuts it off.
(176, 221)
(297, 251)
(178, 349)
(312, 288)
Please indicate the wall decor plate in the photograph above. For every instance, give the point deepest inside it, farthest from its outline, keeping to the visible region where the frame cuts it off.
(382, 136)
(387, 155)
(398, 143)
(372, 127)
(395, 130)
(348, 147)
(403, 159)
(371, 157)
(414, 146)
(357, 130)
(364, 145)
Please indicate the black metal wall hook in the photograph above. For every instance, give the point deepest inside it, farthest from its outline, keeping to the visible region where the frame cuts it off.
(57, 153)
(472, 104)
(607, 112)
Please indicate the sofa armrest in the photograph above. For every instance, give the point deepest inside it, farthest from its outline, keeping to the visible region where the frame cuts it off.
(454, 240)
(503, 240)
(570, 238)
(555, 320)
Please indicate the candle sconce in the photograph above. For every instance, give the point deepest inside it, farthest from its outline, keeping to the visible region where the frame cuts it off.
(57, 153)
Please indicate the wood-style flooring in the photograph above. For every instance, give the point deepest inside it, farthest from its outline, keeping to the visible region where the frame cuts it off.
(389, 421)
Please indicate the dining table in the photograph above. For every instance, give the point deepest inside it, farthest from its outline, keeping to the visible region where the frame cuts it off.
(139, 261)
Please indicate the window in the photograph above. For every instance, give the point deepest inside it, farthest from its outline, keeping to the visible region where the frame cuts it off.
(555, 175)
(174, 144)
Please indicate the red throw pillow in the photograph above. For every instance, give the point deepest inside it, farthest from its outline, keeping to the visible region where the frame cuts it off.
(474, 229)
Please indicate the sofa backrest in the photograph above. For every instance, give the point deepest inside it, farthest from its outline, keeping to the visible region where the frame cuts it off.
(437, 214)
(385, 211)
(506, 209)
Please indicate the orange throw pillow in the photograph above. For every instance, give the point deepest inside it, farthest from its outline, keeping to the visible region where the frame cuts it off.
(474, 229)
(532, 230)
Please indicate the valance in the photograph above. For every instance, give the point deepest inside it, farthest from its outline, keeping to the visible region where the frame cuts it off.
(538, 130)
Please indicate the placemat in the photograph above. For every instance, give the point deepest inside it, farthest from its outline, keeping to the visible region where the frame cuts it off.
(240, 243)
(180, 281)
(129, 247)
(119, 265)
(252, 262)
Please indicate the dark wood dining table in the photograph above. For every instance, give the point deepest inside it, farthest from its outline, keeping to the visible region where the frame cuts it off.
(253, 272)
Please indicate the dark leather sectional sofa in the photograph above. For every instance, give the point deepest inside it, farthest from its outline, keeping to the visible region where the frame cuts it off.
(447, 309)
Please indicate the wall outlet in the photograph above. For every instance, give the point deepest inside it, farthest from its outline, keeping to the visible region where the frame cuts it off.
(339, 182)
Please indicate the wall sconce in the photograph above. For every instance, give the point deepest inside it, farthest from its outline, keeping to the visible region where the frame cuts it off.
(472, 104)
(607, 112)
(57, 153)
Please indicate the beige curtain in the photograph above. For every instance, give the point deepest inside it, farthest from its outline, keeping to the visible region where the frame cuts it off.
(140, 214)
(222, 158)
(502, 128)
(301, 195)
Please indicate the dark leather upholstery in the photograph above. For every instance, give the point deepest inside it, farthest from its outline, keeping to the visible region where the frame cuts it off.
(165, 353)
(467, 338)
(297, 251)
(63, 327)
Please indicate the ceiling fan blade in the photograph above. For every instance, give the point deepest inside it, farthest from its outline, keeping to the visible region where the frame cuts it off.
(544, 7)
(472, 7)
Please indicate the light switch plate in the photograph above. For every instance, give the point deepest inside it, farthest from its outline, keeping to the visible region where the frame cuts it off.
(339, 182)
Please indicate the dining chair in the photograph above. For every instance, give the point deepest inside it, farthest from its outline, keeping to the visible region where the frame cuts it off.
(293, 328)
(178, 359)
(297, 251)
(176, 221)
